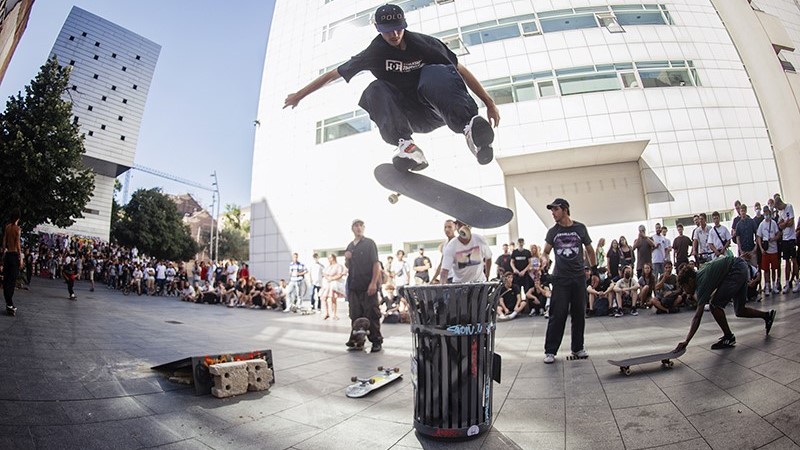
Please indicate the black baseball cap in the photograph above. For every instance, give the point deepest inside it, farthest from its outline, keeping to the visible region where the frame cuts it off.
(390, 18)
(560, 202)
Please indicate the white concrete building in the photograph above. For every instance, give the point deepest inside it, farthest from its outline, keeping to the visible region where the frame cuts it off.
(634, 112)
(112, 68)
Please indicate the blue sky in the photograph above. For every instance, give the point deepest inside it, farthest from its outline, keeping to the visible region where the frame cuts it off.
(204, 96)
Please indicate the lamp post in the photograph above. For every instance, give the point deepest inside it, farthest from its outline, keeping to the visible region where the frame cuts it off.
(216, 220)
(211, 229)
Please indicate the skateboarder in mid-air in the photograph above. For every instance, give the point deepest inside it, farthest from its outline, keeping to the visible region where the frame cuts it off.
(717, 283)
(420, 86)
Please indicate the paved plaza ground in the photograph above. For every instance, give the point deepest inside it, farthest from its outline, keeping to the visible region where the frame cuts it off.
(77, 375)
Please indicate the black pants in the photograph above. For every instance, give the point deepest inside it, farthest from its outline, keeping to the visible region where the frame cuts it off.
(441, 99)
(70, 286)
(363, 305)
(10, 275)
(568, 299)
(315, 300)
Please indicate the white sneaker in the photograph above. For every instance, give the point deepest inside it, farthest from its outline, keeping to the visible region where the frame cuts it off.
(618, 313)
(502, 316)
(796, 288)
(707, 307)
(580, 354)
(786, 289)
(776, 289)
(512, 315)
(479, 136)
(408, 156)
(549, 358)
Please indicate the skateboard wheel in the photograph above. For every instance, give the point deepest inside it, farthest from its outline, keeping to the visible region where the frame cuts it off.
(396, 370)
(393, 198)
(353, 379)
(372, 381)
(671, 364)
(627, 372)
(380, 368)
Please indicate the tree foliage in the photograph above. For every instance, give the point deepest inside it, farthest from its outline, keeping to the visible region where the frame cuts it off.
(151, 222)
(41, 149)
(233, 244)
(234, 218)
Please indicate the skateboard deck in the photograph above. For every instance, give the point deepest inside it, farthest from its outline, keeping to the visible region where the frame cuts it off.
(665, 358)
(442, 197)
(363, 386)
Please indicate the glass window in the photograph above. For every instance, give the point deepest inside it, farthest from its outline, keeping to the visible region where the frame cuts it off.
(338, 118)
(574, 70)
(517, 19)
(478, 26)
(501, 95)
(524, 92)
(529, 28)
(665, 78)
(696, 77)
(640, 18)
(627, 8)
(499, 33)
(623, 66)
(347, 128)
(558, 12)
(473, 38)
(589, 83)
(568, 23)
(650, 64)
(610, 23)
(629, 80)
(544, 74)
(546, 89)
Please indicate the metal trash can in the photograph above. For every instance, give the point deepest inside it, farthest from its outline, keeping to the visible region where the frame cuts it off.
(453, 361)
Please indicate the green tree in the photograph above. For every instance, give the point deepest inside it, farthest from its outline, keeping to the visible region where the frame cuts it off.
(151, 222)
(116, 208)
(41, 149)
(234, 218)
(233, 244)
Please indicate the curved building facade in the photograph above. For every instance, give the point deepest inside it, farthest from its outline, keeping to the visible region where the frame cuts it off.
(635, 112)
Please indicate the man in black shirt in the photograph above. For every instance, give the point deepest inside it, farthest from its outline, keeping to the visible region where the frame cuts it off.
(364, 273)
(503, 262)
(568, 238)
(521, 265)
(422, 264)
(420, 86)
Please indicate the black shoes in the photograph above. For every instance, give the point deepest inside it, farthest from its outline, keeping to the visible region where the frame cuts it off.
(376, 347)
(724, 342)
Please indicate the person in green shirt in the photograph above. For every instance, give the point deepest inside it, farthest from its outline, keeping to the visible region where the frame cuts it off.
(717, 283)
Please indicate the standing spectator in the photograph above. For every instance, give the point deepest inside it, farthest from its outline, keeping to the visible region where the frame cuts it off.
(521, 264)
(681, 245)
(400, 270)
(700, 237)
(467, 258)
(244, 272)
(788, 245)
(758, 216)
(161, 277)
(568, 238)
(231, 271)
(361, 260)
(745, 235)
(719, 239)
(332, 285)
(12, 259)
(644, 246)
(767, 238)
(449, 232)
(628, 255)
(70, 272)
(613, 258)
(737, 205)
(316, 282)
(422, 264)
(28, 262)
(297, 283)
(667, 244)
(503, 262)
(659, 253)
(600, 251)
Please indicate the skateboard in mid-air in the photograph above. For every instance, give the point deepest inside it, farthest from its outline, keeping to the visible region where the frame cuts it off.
(665, 358)
(442, 197)
(363, 386)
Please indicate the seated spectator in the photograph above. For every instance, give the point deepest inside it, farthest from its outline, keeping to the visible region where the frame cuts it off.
(647, 287)
(537, 298)
(187, 293)
(627, 289)
(510, 298)
(279, 293)
(601, 291)
(231, 297)
(668, 297)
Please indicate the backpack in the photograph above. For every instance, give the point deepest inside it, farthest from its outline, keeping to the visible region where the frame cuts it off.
(601, 306)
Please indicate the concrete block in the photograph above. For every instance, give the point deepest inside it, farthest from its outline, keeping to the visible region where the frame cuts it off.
(258, 375)
(229, 378)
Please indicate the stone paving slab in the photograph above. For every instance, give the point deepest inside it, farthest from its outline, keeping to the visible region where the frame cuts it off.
(77, 375)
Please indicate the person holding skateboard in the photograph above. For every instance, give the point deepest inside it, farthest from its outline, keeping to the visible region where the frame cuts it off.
(420, 87)
(569, 239)
(364, 274)
(717, 283)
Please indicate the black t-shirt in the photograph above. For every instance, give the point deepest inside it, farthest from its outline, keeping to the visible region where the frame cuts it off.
(422, 274)
(359, 265)
(681, 245)
(399, 67)
(568, 243)
(520, 258)
(509, 295)
(503, 262)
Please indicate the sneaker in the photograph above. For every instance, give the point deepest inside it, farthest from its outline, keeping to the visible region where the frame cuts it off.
(376, 347)
(767, 292)
(796, 288)
(776, 289)
(479, 136)
(408, 156)
(618, 313)
(502, 316)
(350, 344)
(634, 312)
(549, 358)
(786, 288)
(706, 307)
(11, 310)
(769, 320)
(589, 313)
(547, 313)
(580, 354)
(724, 342)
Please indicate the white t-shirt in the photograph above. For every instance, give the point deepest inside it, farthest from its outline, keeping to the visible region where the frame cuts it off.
(465, 262)
(400, 270)
(785, 214)
(316, 273)
(170, 274)
(658, 251)
(161, 272)
(766, 230)
(715, 240)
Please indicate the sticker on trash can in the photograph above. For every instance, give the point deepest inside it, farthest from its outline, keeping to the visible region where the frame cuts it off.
(470, 329)
(473, 430)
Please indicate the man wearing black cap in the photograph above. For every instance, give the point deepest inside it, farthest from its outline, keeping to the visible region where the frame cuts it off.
(568, 238)
(364, 273)
(420, 86)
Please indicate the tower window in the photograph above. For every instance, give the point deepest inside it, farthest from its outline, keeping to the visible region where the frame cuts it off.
(113, 55)
(125, 100)
(124, 69)
(104, 98)
(96, 57)
(102, 127)
(72, 38)
(83, 34)
(119, 118)
(72, 62)
(97, 44)
(122, 138)
(90, 108)
(134, 87)
(74, 88)
(138, 57)
(75, 119)
(91, 133)
(113, 88)
(96, 76)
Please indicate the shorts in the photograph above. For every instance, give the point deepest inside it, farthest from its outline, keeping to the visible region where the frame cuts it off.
(770, 261)
(733, 286)
(788, 249)
(668, 301)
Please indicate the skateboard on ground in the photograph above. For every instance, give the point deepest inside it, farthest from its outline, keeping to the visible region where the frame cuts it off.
(363, 386)
(665, 358)
(442, 197)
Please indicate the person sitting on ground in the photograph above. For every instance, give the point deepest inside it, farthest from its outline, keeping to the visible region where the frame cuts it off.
(627, 289)
(668, 297)
(647, 287)
(600, 291)
(537, 297)
(279, 293)
(187, 293)
(257, 295)
(390, 305)
(510, 298)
